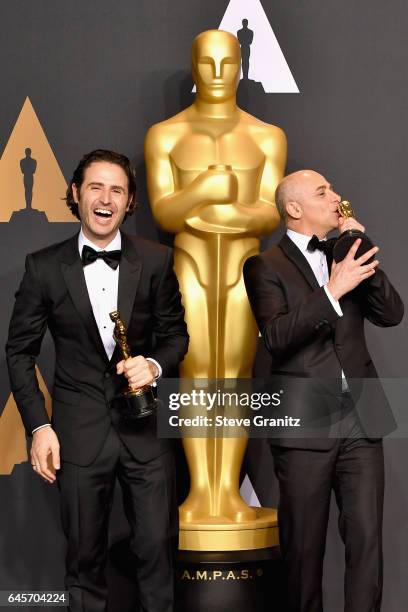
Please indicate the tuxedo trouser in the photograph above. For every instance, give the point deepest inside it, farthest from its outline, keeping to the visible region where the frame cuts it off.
(150, 504)
(354, 469)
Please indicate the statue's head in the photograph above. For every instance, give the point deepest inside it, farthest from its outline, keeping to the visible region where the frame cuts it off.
(216, 65)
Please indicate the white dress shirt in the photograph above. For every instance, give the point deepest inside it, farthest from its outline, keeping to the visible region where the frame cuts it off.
(102, 284)
(318, 262)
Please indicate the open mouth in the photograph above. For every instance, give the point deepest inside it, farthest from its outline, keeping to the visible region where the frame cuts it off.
(103, 213)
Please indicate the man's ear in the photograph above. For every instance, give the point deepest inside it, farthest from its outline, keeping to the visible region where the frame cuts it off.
(129, 204)
(75, 193)
(293, 209)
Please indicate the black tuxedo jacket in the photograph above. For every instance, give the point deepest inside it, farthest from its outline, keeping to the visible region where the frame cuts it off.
(53, 294)
(306, 338)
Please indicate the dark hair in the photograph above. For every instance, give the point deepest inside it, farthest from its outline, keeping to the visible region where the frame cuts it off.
(101, 155)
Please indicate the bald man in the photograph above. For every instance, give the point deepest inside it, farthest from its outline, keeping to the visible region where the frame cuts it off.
(312, 323)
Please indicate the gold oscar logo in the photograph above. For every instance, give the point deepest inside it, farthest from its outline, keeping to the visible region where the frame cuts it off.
(30, 177)
(263, 60)
(13, 449)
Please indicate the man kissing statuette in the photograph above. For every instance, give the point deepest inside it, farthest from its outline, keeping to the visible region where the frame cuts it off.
(348, 237)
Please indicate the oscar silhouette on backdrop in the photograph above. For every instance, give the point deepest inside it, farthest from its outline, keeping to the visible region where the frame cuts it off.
(249, 90)
(28, 167)
(245, 37)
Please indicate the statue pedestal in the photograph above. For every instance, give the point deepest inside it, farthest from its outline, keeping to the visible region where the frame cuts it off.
(224, 566)
(244, 571)
(242, 581)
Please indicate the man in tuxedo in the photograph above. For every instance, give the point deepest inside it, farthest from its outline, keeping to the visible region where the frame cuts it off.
(71, 288)
(313, 326)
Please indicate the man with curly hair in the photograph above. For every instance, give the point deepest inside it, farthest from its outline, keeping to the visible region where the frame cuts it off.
(71, 288)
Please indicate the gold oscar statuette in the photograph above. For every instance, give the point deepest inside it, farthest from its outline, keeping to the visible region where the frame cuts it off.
(132, 403)
(212, 171)
(348, 237)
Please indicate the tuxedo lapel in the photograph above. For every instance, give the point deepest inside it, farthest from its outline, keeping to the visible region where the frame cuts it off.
(130, 269)
(296, 256)
(72, 271)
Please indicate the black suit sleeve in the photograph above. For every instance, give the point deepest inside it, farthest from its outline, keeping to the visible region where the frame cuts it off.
(382, 304)
(27, 328)
(170, 340)
(282, 330)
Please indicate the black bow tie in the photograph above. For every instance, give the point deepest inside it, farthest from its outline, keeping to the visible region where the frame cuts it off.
(322, 245)
(89, 255)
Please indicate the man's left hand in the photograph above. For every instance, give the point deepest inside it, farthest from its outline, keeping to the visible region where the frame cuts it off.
(138, 370)
(349, 223)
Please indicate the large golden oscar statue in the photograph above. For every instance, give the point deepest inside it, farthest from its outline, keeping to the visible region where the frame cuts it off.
(212, 172)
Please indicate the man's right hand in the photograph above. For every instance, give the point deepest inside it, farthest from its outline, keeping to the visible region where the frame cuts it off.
(347, 274)
(45, 442)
